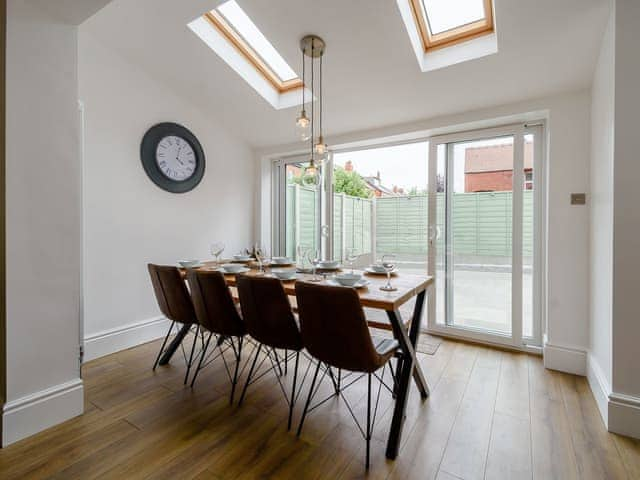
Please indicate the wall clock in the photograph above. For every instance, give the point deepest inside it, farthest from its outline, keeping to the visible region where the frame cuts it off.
(172, 157)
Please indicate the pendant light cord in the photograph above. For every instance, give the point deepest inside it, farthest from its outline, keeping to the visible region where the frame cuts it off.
(303, 79)
(321, 98)
(312, 99)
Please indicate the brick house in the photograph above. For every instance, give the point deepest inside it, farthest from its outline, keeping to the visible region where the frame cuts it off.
(490, 168)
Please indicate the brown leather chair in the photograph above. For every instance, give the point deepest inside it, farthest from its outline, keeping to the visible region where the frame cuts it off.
(334, 330)
(175, 304)
(269, 320)
(217, 313)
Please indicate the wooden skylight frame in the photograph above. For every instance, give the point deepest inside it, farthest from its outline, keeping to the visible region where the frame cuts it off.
(217, 21)
(460, 34)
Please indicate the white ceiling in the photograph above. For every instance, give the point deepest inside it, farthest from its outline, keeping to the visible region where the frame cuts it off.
(372, 78)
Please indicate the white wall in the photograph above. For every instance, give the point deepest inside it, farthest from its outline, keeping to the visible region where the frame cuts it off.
(601, 219)
(43, 223)
(128, 221)
(568, 126)
(626, 219)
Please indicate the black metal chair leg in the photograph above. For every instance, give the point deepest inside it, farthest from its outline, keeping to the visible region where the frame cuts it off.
(368, 419)
(193, 348)
(306, 405)
(235, 373)
(204, 351)
(164, 343)
(286, 361)
(253, 366)
(293, 390)
(275, 354)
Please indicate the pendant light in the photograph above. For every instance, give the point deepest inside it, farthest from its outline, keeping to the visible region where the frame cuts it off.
(313, 47)
(302, 122)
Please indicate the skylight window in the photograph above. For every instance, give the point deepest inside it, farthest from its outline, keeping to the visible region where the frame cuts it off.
(248, 31)
(443, 23)
(445, 15)
(230, 32)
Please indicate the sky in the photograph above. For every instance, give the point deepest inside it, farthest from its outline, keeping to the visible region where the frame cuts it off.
(401, 165)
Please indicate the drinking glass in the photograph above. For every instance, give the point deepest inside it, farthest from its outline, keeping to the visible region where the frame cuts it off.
(216, 250)
(388, 263)
(301, 253)
(351, 255)
(260, 254)
(313, 256)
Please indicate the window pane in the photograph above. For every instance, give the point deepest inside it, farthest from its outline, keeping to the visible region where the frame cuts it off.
(254, 37)
(480, 235)
(443, 15)
(301, 210)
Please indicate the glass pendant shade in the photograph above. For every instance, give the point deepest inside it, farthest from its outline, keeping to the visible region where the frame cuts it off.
(321, 147)
(311, 174)
(303, 126)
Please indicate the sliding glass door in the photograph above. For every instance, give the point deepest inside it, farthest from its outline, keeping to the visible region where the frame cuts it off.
(486, 252)
(464, 208)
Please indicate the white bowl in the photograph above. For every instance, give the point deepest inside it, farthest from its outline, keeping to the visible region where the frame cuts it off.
(233, 267)
(329, 264)
(189, 263)
(242, 258)
(376, 267)
(282, 274)
(348, 279)
(281, 260)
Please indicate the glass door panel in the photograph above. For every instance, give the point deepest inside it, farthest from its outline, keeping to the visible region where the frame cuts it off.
(380, 204)
(479, 234)
(301, 210)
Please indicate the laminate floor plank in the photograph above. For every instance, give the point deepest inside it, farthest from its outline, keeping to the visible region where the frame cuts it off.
(553, 457)
(595, 450)
(466, 451)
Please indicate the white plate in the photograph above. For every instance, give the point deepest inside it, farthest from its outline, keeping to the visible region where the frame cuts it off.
(242, 270)
(195, 265)
(242, 258)
(327, 269)
(359, 284)
(375, 272)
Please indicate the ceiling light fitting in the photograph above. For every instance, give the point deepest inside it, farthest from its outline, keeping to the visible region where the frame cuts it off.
(312, 48)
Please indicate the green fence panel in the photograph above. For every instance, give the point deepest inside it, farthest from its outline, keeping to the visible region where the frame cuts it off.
(481, 223)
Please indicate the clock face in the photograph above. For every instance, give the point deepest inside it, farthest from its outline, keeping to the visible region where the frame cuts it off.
(175, 158)
(172, 157)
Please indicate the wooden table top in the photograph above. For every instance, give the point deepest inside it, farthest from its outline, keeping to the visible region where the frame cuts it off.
(408, 285)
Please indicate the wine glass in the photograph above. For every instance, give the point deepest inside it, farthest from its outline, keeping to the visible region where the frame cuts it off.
(351, 255)
(260, 254)
(313, 255)
(388, 263)
(216, 250)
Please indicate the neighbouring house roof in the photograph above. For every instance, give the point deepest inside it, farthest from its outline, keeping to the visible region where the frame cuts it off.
(495, 158)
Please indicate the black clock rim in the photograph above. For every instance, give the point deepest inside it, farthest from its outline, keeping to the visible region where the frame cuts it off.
(148, 157)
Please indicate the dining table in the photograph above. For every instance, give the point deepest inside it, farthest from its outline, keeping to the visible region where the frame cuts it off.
(408, 286)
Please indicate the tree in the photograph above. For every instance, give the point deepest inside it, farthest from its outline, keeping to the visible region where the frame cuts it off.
(350, 183)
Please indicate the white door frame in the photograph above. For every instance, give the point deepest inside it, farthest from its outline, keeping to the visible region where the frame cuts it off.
(517, 131)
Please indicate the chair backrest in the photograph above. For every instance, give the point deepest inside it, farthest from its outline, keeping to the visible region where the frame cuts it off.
(172, 293)
(334, 328)
(213, 303)
(267, 312)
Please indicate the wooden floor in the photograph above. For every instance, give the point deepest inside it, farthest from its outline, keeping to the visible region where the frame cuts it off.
(491, 414)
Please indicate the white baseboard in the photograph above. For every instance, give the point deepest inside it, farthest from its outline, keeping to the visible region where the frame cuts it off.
(624, 415)
(110, 341)
(620, 413)
(565, 359)
(599, 386)
(40, 410)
